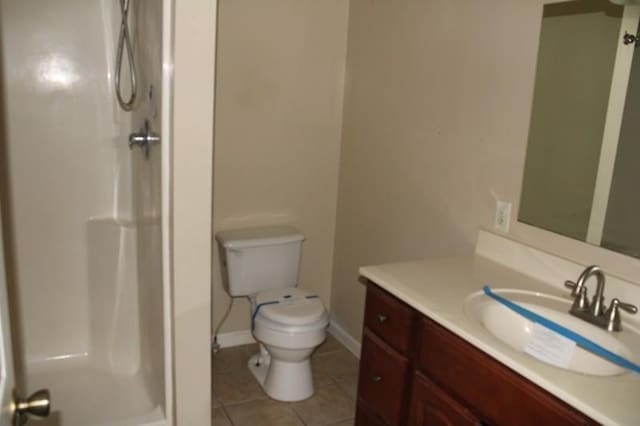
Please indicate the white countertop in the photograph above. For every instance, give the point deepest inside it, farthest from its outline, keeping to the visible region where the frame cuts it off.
(438, 288)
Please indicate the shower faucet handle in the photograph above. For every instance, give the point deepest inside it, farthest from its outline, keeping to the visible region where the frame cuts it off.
(144, 138)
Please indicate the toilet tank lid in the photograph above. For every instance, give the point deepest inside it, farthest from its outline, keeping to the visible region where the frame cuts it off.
(258, 236)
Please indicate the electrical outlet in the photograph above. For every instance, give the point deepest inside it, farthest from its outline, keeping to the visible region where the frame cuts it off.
(503, 216)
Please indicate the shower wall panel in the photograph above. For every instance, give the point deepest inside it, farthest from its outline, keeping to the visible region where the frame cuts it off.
(147, 191)
(84, 209)
(68, 162)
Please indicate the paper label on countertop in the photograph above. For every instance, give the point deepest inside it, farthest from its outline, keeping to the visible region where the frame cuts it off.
(549, 346)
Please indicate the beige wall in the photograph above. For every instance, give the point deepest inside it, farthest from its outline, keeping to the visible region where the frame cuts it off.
(437, 101)
(192, 146)
(437, 107)
(280, 82)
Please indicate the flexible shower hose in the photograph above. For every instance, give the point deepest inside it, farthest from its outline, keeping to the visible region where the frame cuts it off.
(124, 43)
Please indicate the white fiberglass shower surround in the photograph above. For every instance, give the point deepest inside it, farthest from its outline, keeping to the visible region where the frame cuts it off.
(85, 216)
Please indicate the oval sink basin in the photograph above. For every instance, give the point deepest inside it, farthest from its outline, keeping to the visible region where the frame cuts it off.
(517, 332)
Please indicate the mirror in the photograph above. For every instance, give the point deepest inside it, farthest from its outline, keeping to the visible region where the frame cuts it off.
(582, 168)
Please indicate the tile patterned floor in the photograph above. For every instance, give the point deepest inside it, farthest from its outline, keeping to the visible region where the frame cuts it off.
(238, 399)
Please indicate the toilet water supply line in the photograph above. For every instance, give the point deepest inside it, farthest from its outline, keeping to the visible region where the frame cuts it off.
(215, 346)
(563, 331)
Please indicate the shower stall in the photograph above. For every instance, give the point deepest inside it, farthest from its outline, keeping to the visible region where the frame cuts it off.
(84, 213)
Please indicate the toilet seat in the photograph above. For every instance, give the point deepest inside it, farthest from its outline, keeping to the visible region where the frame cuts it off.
(289, 309)
(289, 318)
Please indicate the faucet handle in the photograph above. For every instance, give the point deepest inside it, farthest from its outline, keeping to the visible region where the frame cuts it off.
(614, 323)
(632, 309)
(573, 286)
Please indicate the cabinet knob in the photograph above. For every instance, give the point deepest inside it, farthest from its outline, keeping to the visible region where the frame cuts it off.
(376, 379)
(382, 318)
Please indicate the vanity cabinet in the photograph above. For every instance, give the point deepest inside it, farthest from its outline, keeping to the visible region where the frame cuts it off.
(387, 362)
(431, 406)
(415, 372)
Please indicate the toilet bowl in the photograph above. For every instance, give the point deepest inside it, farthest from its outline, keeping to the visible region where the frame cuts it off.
(289, 324)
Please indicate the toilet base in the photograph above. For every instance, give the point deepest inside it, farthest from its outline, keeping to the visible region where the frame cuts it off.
(281, 380)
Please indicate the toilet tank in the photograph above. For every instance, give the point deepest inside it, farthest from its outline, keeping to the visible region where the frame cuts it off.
(258, 259)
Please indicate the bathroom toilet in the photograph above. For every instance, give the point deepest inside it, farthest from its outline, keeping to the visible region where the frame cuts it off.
(288, 322)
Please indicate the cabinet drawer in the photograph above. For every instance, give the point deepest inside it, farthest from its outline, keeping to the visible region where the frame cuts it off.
(389, 318)
(492, 390)
(431, 406)
(383, 381)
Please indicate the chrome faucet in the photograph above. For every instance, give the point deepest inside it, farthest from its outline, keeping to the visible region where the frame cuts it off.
(596, 312)
(580, 290)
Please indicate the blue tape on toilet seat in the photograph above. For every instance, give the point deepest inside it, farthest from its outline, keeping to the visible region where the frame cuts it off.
(273, 302)
(255, 313)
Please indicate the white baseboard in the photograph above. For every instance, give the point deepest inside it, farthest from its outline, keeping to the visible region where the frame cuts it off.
(244, 337)
(345, 338)
(235, 338)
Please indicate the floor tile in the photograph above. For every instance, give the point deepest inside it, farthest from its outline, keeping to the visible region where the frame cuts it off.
(236, 387)
(350, 422)
(341, 366)
(229, 360)
(329, 345)
(263, 413)
(320, 375)
(328, 405)
(251, 349)
(220, 418)
(350, 388)
(215, 402)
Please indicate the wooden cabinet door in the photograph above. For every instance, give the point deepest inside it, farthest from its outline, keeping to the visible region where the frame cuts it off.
(495, 392)
(430, 406)
(364, 418)
(383, 384)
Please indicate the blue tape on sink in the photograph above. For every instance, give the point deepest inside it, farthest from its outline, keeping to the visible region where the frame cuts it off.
(553, 326)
